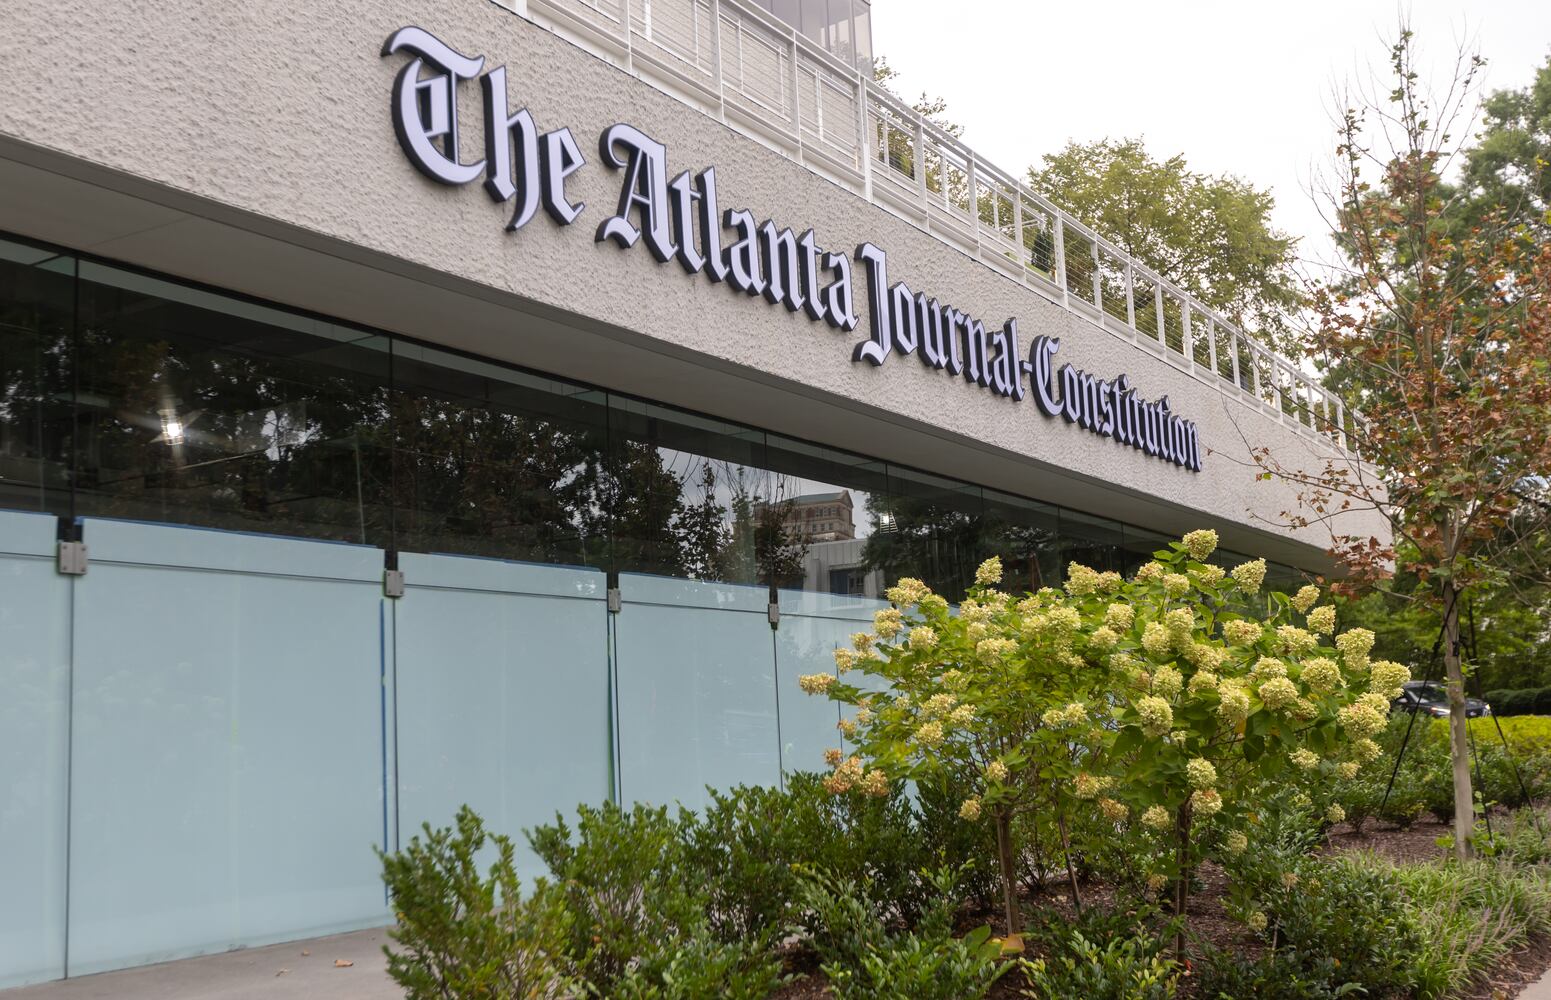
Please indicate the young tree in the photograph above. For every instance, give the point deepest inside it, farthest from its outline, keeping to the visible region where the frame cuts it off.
(1440, 335)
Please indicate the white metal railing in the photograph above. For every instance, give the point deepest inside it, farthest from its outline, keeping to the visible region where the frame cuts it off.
(759, 75)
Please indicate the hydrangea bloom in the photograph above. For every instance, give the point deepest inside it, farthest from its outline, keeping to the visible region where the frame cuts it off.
(1278, 692)
(1201, 543)
(989, 571)
(1156, 715)
(1235, 842)
(1355, 646)
(993, 650)
(1241, 631)
(815, 683)
(1321, 674)
(1206, 803)
(996, 771)
(1295, 641)
(1119, 617)
(970, 809)
(1210, 576)
(1335, 813)
(1348, 769)
(923, 637)
(1256, 922)
(930, 734)
(1150, 572)
(1202, 683)
(1250, 575)
(1305, 758)
(1103, 638)
(1157, 817)
(845, 659)
(1176, 584)
(907, 591)
(888, 622)
(1323, 619)
(1304, 599)
(1155, 639)
(1388, 676)
(1361, 721)
(1116, 812)
(1234, 706)
(1200, 773)
(861, 641)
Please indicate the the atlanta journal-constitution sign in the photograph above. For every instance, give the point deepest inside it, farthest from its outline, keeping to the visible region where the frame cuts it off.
(679, 219)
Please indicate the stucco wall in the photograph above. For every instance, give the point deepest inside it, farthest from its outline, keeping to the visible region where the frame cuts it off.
(250, 145)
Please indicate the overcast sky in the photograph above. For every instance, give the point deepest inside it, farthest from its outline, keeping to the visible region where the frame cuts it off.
(1239, 87)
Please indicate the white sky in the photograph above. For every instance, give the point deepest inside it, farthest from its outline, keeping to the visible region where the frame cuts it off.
(1239, 87)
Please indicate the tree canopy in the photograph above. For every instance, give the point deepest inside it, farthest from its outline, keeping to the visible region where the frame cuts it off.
(1209, 234)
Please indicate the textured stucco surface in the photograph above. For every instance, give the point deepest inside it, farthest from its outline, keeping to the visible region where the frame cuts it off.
(250, 145)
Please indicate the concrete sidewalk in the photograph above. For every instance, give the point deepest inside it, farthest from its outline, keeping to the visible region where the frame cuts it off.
(278, 972)
(1540, 989)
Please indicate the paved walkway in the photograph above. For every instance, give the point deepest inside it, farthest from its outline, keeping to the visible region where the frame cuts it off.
(302, 970)
(1538, 990)
(298, 971)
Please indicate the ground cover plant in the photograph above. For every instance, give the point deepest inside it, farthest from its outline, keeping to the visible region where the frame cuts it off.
(1121, 789)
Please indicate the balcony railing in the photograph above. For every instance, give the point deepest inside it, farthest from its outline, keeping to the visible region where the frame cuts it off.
(751, 71)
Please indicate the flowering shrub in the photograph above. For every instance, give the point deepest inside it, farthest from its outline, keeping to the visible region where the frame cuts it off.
(1159, 702)
(998, 698)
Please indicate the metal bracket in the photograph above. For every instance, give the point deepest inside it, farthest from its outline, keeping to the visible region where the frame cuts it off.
(615, 601)
(72, 558)
(393, 583)
(773, 612)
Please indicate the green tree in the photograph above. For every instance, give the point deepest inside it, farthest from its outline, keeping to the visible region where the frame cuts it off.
(1210, 235)
(1509, 167)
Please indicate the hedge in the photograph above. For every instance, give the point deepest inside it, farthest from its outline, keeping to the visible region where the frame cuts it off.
(1524, 701)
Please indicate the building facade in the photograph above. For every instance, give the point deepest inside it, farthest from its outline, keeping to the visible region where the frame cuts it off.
(405, 405)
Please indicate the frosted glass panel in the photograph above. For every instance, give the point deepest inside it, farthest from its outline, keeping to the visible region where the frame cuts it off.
(503, 693)
(695, 667)
(813, 625)
(228, 743)
(34, 734)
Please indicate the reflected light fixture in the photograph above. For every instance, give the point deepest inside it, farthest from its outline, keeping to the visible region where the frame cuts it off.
(172, 427)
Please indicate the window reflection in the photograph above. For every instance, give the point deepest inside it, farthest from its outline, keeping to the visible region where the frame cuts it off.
(825, 501)
(1026, 535)
(497, 463)
(36, 318)
(1093, 541)
(128, 396)
(929, 528)
(201, 409)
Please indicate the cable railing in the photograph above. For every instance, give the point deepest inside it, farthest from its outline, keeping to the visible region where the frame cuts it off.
(755, 73)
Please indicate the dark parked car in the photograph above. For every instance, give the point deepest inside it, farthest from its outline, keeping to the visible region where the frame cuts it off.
(1432, 697)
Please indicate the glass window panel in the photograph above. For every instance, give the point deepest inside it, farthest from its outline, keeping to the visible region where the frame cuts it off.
(815, 525)
(789, 11)
(1137, 547)
(495, 462)
(1025, 535)
(841, 30)
(1093, 541)
(683, 492)
(864, 36)
(197, 408)
(36, 319)
(929, 528)
(815, 20)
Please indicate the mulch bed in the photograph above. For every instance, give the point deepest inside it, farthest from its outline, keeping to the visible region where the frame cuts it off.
(1210, 922)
